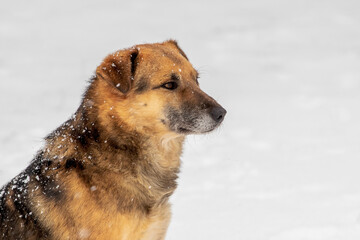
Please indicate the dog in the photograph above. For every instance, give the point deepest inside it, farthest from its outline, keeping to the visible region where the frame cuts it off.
(108, 172)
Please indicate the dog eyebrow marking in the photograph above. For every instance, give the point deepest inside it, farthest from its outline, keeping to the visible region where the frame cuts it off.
(175, 77)
(142, 85)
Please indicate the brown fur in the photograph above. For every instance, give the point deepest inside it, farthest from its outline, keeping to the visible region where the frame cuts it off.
(107, 172)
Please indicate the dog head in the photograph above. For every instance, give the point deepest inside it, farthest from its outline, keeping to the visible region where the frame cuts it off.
(154, 88)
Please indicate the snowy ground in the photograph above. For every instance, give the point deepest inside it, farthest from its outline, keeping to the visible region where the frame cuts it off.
(284, 166)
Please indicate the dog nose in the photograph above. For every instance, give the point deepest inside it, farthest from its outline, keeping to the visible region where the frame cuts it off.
(218, 113)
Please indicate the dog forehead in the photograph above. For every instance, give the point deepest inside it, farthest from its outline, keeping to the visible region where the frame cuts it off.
(164, 59)
(160, 53)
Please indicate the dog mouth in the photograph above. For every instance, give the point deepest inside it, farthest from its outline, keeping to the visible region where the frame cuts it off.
(184, 130)
(195, 129)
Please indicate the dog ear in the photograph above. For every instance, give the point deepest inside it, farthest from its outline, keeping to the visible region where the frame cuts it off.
(119, 68)
(175, 44)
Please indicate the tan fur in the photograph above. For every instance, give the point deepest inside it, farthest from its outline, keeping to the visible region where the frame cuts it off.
(107, 173)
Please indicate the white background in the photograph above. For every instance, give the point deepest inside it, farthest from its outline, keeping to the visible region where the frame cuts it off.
(284, 165)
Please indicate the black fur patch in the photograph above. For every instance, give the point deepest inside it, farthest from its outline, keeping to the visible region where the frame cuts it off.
(175, 77)
(17, 220)
(131, 151)
(71, 163)
(50, 187)
(142, 86)
(86, 132)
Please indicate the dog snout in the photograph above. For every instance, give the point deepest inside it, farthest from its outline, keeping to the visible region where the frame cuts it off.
(217, 114)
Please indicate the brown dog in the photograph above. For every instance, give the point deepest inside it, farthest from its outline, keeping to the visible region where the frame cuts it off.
(108, 172)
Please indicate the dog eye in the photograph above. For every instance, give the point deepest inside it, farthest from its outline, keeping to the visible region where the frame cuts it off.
(170, 85)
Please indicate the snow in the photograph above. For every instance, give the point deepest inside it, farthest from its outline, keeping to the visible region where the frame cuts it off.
(284, 164)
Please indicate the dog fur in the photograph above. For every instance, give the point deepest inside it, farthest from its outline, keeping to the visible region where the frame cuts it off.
(108, 172)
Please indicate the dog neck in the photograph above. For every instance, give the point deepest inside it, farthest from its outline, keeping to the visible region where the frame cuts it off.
(153, 161)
